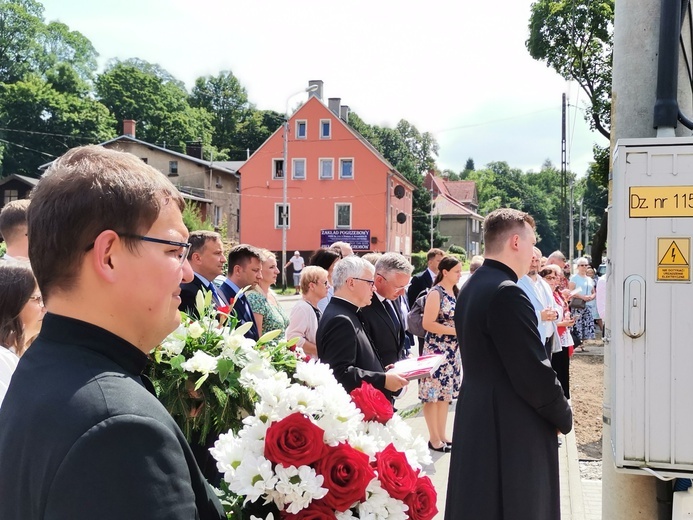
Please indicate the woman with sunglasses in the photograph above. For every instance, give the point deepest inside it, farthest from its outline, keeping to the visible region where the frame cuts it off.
(584, 322)
(560, 361)
(304, 317)
(21, 314)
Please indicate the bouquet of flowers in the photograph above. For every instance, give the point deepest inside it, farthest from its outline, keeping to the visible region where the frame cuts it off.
(196, 370)
(312, 451)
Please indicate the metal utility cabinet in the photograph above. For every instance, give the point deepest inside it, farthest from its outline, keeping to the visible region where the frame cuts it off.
(650, 306)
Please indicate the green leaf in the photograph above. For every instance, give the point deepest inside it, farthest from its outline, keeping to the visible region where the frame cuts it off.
(225, 367)
(200, 381)
(269, 336)
(177, 361)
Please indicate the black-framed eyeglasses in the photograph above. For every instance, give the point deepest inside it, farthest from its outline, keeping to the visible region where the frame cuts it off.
(182, 255)
(318, 282)
(369, 282)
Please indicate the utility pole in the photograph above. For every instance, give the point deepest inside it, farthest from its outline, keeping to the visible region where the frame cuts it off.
(635, 69)
(431, 216)
(564, 179)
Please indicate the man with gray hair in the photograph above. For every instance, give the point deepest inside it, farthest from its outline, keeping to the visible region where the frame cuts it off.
(341, 339)
(383, 319)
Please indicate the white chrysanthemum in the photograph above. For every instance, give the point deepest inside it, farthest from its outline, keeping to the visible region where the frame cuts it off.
(195, 330)
(272, 389)
(255, 369)
(314, 373)
(346, 515)
(228, 451)
(200, 362)
(364, 443)
(298, 487)
(270, 516)
(254, 478)
(379, 504)
(172, 346)
(253, 434)
(237, 348)
(299, 398)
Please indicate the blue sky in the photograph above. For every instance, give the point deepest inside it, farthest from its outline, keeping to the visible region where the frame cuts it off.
(456, 70)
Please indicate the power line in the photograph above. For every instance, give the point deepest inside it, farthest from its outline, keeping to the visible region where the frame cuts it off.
(27, 148)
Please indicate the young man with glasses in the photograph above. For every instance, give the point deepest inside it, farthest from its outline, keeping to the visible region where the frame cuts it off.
(341, 339)
(89, 439)
(383, 318)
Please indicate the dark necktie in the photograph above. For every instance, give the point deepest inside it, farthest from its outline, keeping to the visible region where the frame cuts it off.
(393, 314)
(215, 294)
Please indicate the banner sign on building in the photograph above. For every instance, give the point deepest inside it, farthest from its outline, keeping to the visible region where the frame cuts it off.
(359, 239)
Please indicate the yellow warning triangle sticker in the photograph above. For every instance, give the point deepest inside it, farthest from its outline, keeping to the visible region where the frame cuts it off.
(673, 256)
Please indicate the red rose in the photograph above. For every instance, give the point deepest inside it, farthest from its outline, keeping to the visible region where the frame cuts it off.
(422, 502)
(294, 441)
(396, 476)
(315, 511)
(347, 473)
(372, 403)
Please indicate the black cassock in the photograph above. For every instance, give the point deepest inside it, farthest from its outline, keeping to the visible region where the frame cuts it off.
(505, 458)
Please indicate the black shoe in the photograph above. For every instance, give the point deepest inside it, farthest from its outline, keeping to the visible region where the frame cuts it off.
(443, 449)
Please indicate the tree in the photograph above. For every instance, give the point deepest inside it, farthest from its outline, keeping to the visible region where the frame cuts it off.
(148, 94)
(575, 38)
(65, 47)
(21, 24)
(255, 130)
(227, 101)
(44, 122)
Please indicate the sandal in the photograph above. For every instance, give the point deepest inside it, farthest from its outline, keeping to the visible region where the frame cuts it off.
(443, 449)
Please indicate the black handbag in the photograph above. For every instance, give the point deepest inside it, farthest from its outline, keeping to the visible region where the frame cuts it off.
(577, 303)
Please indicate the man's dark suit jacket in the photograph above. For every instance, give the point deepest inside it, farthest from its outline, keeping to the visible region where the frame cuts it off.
(343, 344)
(244, 314)
(82, 437)
(188, 293)
(418, 283)
(387, 339)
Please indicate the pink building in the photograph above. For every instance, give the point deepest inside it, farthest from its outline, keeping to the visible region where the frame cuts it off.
(339, 187)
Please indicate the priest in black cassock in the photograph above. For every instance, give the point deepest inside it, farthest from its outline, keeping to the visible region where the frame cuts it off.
(505, 458)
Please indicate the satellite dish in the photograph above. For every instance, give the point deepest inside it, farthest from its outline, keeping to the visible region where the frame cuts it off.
(399, 191)
(401, 218)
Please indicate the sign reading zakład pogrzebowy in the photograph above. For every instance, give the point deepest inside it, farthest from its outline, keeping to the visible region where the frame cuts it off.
(358, 239)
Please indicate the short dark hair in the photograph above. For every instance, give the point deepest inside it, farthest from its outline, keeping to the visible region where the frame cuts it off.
(324, 258)
(241, 255)
(433, 252)
(500, 224)
(12, 218)
(17, 284)
(85, 192)
(199, 238)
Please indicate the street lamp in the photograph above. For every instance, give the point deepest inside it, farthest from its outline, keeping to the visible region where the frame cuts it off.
(285, 175)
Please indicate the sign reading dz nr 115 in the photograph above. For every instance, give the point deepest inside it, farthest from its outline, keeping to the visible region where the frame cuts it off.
(660, 201)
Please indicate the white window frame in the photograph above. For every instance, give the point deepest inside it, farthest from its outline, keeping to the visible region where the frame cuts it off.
(336, 215)
(305, 125)
(293, 169)
(341, 163)
(173, 167)
(218, 216)
(329, 128)
(277, 224)
(274, 169)
(320, 163)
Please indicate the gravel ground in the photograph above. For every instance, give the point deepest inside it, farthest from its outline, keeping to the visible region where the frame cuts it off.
(587, 391)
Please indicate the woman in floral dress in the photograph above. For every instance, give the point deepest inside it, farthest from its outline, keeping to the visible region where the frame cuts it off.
(268, 313)
(438, 391)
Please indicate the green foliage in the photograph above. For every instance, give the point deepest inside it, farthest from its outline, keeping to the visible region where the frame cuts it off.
(3, 248)
(135, 89)
(192, 218)
(47, 122)
(254, 130)
(418, 260)
(575, 38)
(458, 250)
(412, 154)
(227, 101)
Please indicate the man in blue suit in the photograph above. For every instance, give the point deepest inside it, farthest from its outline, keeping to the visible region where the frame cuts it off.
(245, 269)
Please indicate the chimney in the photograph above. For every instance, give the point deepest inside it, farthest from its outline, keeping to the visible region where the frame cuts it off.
(129, 127)
(333, 104)
(318, 92)
(194, 149)
(344, 113)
